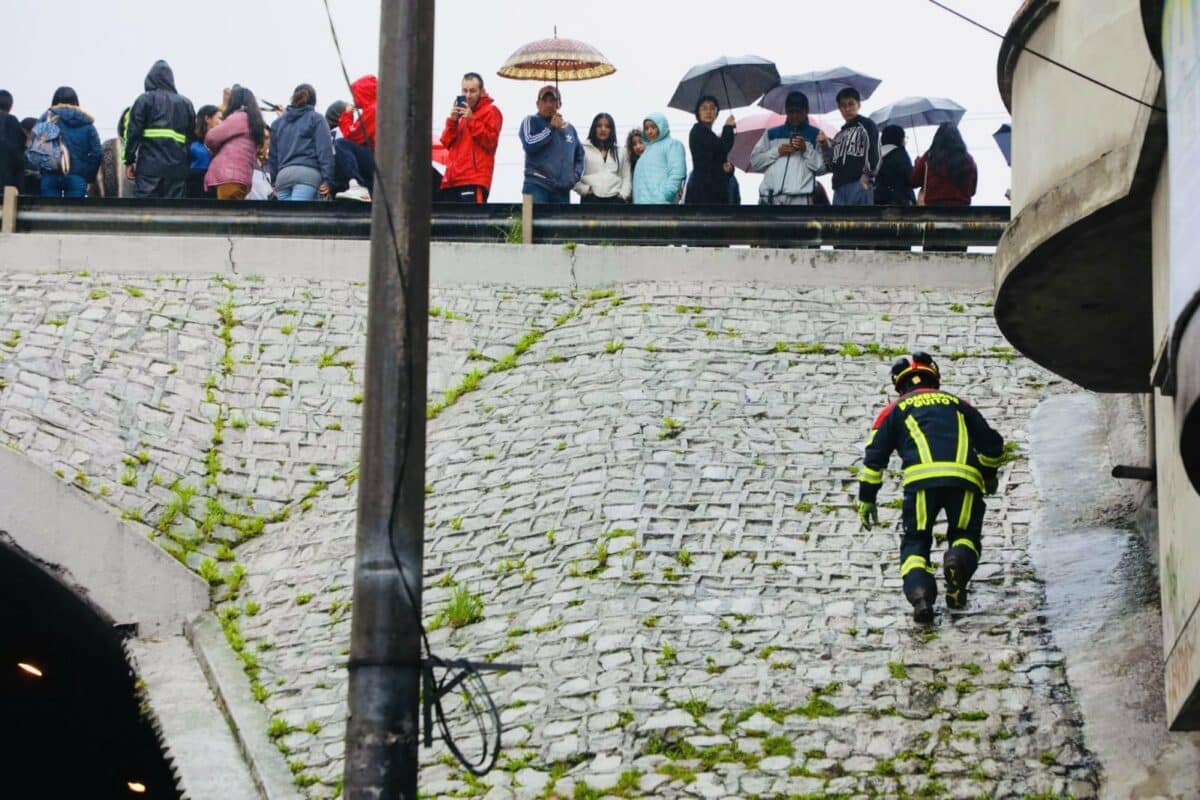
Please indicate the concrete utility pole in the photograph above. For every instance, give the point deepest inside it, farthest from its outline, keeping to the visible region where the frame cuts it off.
(385, 636)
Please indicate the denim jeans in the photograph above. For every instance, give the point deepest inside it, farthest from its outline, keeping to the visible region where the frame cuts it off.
(298, 191)
(63, 186)
(853, 194)
(544, 195)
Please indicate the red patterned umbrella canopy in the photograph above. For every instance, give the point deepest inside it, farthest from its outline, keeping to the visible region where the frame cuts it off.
(556, 60)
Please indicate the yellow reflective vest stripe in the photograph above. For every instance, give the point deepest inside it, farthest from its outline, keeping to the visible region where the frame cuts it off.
(943, 469)
(165, 133)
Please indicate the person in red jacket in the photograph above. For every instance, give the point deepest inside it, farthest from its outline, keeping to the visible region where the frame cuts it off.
(471, 136)
(357, 122)
(946, 171)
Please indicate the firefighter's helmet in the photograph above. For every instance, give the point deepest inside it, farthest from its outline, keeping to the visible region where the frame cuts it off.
(919, 372)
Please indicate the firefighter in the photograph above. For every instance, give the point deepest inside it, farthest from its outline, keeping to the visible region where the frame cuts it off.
(950, 456)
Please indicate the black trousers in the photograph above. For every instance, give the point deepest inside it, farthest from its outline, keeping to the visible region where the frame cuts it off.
(464, 194)
(157, 186)
(964, 516)
(615, 200)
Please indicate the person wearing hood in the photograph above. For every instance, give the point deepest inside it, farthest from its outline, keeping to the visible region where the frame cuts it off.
(711, 170)
(662, 166)
(895, 168)
(235, 144)
(471, 136)
(554, 159)
(357, 122)
(156, 141)
(788, 157)
(82, 142)
(300, 163)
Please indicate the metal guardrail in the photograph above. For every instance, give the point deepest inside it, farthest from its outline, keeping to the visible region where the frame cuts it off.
(697, 226)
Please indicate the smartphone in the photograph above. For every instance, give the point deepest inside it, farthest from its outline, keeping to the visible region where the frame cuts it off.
(461, 101)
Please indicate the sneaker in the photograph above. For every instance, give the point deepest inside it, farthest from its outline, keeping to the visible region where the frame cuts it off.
(956, 591)
(923, 611)
(355, 192)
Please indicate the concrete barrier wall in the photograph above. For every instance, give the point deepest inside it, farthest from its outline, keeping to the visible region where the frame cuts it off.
(502, 264)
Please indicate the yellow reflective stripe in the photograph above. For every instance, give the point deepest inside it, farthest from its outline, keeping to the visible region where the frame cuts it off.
(868, 475)
(965, 543)
(914, 562)
(922, 511)
(871, 436)
(918, 437)
(964, 516)
(991, 463)
(165, 133)
(963, 441)
(943, 469)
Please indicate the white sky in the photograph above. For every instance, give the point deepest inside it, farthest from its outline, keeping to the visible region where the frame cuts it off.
(103, 50)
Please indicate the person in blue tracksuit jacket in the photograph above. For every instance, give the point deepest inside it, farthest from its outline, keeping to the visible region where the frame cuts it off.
(554, 156)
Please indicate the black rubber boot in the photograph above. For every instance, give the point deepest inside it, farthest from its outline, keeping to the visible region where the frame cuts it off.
(957, 575)
(922, 603)
(922, 611)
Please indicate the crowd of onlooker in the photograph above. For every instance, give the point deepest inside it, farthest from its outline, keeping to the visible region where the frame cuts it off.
(167, 149)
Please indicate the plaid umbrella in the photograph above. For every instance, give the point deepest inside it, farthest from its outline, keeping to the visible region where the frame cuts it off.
(556, 60)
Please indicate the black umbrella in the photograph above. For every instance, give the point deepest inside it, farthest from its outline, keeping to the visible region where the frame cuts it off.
(736, 82)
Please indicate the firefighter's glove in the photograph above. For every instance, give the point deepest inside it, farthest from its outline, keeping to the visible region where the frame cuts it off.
(991, 483)
(868, 514)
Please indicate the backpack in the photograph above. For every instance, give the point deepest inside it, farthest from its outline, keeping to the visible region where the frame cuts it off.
(46, 151)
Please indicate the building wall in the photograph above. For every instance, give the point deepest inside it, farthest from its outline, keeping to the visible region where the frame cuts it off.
(1178, 502)
(1067, 123)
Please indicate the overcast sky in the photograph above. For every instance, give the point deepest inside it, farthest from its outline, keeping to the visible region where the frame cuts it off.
(103, 50)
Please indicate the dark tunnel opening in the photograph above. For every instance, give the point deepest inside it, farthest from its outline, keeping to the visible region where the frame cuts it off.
(72, 726)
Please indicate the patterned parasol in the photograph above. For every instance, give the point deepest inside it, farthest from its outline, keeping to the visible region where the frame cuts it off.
(556, 60)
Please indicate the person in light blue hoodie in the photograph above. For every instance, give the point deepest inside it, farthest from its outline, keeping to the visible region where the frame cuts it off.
(662, 168)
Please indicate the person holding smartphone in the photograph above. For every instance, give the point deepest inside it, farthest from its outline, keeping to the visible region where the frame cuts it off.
(471, 136)
(788, 157)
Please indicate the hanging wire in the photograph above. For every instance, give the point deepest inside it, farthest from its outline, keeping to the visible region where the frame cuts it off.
(475, 697)
(1047, 58)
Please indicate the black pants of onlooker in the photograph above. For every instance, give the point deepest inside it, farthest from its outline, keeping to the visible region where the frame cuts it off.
(156, 186)
(608, 201)
(464, 194)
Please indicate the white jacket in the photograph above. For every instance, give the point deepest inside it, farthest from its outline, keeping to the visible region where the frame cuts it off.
(604, 177)
(784, 175)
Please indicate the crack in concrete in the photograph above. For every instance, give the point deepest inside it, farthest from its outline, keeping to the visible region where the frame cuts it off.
(232, 263)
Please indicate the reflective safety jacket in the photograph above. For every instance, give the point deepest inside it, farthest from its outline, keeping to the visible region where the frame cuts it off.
(942, 441)
(159, 125)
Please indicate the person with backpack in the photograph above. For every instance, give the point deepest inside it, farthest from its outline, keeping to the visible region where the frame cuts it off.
(156, 141)
(65, 147)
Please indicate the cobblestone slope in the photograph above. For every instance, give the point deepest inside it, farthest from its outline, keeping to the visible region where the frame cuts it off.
(643, 494)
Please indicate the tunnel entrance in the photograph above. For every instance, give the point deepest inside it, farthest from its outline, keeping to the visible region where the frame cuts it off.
(71, 721)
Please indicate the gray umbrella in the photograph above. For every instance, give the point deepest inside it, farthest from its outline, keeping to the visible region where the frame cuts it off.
(821, 87)
(1003, 137)
(913, 112)
(736, 82)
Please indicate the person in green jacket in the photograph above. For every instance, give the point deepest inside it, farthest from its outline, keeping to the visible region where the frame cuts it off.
(662, 167)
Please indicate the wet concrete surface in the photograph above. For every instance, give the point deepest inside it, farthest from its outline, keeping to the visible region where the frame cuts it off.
(1102, 603)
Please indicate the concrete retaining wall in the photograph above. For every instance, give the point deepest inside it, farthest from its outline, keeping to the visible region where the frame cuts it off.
(538, 265)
